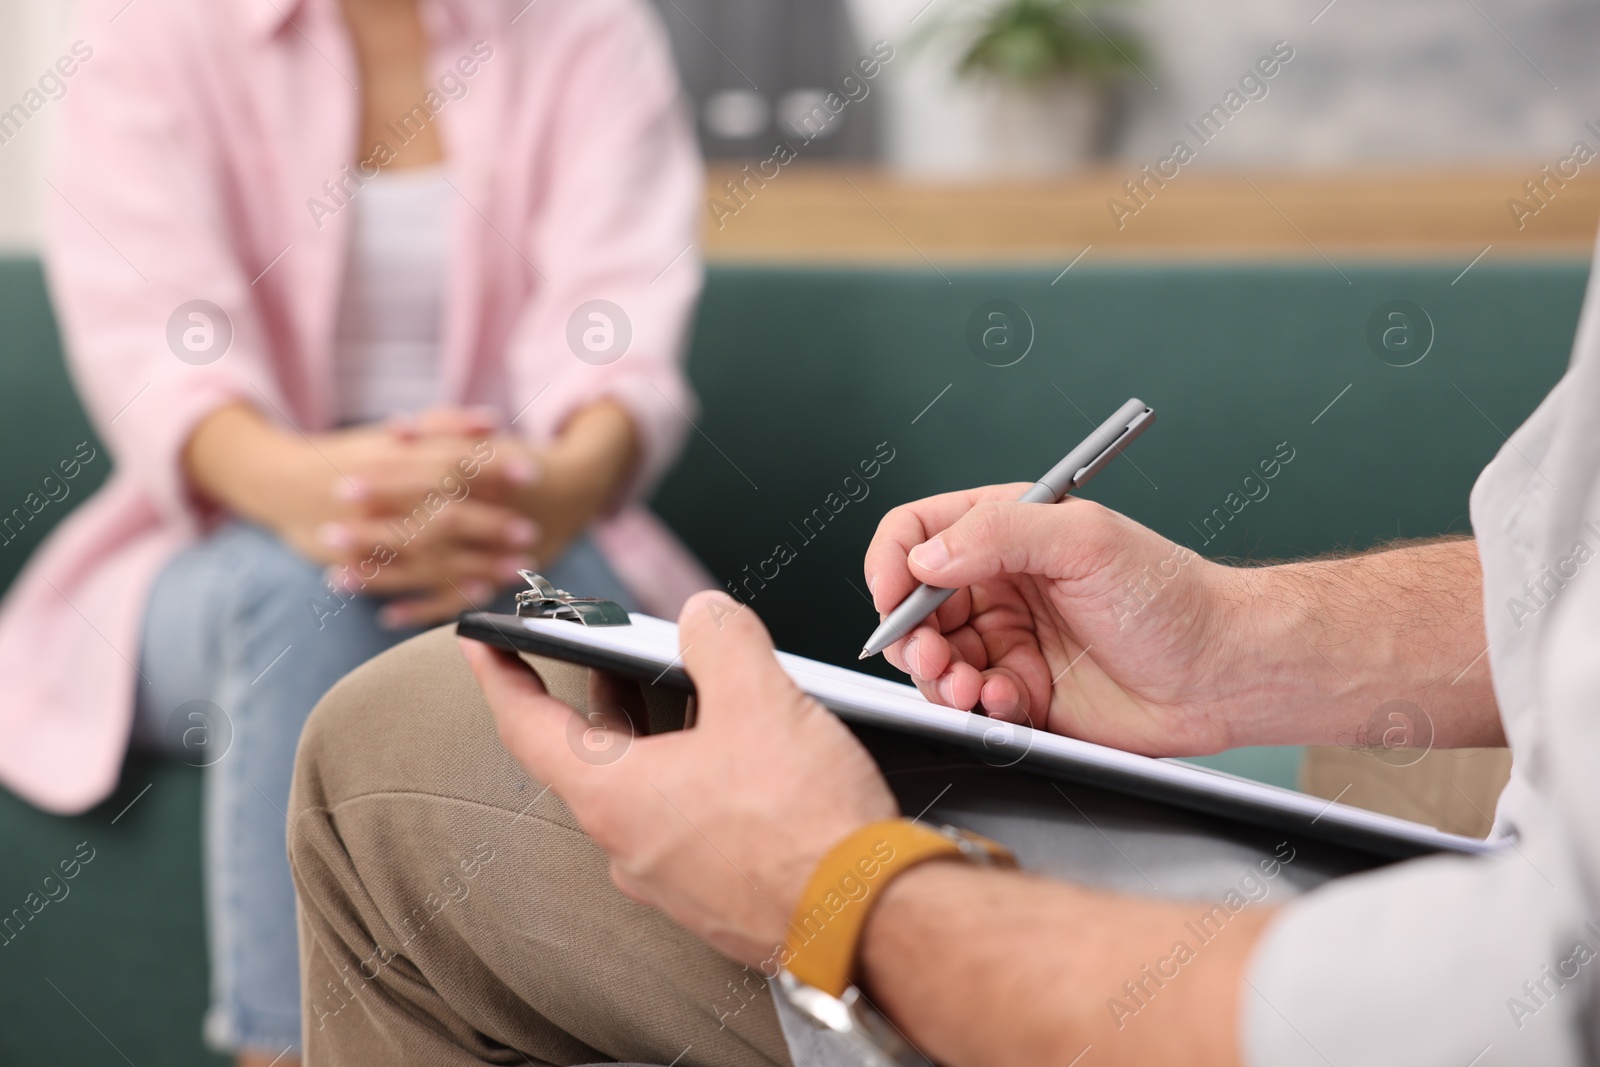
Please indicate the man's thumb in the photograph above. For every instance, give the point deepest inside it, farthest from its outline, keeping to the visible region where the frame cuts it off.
(727, 652)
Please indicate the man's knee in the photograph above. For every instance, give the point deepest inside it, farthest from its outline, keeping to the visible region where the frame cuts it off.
(453, 898)
(413, 719)
(383, 756)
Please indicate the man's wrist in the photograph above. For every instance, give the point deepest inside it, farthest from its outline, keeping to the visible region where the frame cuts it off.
(847, 882)
(822, 964)
(903, 900)
(1322, 646)
(901, 944)
(1293, 670)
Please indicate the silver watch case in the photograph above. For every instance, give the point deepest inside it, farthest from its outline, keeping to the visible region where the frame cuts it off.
(856, 1022)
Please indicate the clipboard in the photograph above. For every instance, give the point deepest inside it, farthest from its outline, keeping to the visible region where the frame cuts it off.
(645, 649)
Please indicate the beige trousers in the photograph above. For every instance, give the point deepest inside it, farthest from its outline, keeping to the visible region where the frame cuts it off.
(451, 911)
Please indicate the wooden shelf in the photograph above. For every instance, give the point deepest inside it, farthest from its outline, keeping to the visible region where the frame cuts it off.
(817, 213)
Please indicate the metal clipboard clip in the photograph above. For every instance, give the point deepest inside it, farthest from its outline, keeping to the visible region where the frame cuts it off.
(545, 601)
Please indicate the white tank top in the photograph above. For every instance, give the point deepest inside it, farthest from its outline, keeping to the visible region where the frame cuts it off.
(386, 345)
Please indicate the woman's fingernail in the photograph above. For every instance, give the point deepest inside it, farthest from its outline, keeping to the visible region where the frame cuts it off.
(348, 490)
(931, 555)
(521, 471)
(913, 664)
(947, 690)
(336, 535)
(507, 569)
(520, 532)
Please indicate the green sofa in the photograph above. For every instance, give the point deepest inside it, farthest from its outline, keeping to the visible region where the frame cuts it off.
(804, 376)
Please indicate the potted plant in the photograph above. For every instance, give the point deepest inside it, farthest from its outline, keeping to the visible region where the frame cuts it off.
(1000, 87)
(1045, 68)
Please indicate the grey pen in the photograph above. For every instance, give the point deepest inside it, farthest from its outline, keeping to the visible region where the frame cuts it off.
(1081, 464)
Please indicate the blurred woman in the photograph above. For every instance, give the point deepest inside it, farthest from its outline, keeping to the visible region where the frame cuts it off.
(375, 302)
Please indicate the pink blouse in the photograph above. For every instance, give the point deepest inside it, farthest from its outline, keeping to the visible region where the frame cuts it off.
(207, 152)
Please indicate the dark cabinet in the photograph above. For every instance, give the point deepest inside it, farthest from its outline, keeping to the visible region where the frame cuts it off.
(758, 70)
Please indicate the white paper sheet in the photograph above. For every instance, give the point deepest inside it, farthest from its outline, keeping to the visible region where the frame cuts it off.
(869, 700)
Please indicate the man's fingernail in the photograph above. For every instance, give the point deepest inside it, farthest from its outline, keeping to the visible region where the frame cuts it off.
(521, 532)
(335, 535)
(1011, 713)
(909, 654)
(1007, 710)
(947, 690)
(716, 603)
(348, 490)
(711, 596)
(931, 555)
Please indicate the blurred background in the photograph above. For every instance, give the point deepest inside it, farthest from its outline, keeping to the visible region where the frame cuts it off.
(1436, 83)
(1368, 255)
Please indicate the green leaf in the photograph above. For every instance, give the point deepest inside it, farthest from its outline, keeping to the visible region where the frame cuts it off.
(1029, 42)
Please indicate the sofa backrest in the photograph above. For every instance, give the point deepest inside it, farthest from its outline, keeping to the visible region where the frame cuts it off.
(804, 373)
(811, 379)
(41, 421)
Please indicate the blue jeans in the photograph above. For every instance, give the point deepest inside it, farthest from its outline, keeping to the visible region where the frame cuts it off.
(241, 639)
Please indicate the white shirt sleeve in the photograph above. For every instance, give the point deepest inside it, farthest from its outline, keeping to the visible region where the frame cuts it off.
(1474, 962)
(1452, 961)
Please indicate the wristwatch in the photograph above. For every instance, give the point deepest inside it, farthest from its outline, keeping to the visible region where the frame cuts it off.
(820, 951)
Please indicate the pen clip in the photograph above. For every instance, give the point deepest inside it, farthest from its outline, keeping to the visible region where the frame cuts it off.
(1113, 450)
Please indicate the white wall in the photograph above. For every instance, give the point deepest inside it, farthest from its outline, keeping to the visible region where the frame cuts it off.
(1385, 81)
(33, 33)
(1425, 82)
(1373, 81)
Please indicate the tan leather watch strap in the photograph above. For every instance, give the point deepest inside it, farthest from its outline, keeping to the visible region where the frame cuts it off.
(848, 882)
